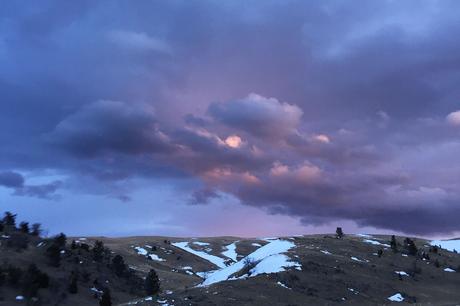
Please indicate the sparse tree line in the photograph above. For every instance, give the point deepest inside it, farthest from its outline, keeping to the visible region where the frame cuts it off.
(59, 256)
(409, 248)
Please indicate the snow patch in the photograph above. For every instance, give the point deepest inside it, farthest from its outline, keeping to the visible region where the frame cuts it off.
(231, 251)
(396, 298)
(256, 244)
(218, 261)
(357, 259)
(269, 260)
(449, 270)
(155, 257)
(375, 242)
(283, 285)
(326, 252)
(141, 251)
(401, 273)
(449, 245)
(200, 243)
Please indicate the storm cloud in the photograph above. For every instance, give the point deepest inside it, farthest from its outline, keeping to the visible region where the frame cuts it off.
(326, 112)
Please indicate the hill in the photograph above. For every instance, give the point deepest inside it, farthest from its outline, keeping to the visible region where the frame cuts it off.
(300, 270)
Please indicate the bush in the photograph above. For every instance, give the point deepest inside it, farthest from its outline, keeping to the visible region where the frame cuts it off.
(54, 255)
(36, 229)
(54, 250)
(24, 227)
(394, 244)
(118, 265)
(339, 232)
(152, 283)
(9, 219)
(98, 251)
(33, 280)
(18, 241)
(410, 246)
(106, 300)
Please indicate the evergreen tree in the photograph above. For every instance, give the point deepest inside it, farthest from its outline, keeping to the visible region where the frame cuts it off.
(339, 232)
(60, 240)
(152, 283)
(106, 300)
(73, 245)
(411, 247)
(36, 229)
(394, 244)
(54, 255)
(98, 251)
(119, 265)
(9, 219)
(33, 280)
(2, 227)
(54, 250)
(24, 227)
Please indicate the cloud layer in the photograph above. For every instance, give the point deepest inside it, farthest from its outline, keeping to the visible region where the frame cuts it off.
(319, 111)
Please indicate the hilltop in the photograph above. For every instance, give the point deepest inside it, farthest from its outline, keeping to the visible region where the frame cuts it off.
(300, 270)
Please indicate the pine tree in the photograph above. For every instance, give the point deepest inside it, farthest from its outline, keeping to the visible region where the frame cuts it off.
(9, 219)
(118, 264)
(394, 244)
(24, 227)
(152, 283)
(339, 232)
(36, 229)
(411, 247)
(106, 300)
(98, 251)
(54, 250)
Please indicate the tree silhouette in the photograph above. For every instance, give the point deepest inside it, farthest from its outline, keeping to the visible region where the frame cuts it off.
(339, 232)
(106, 299)
(152, 283)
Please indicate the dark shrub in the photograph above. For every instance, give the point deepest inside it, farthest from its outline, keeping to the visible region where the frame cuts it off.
(339, 232)
(106, 300)
(118, 265)
(152, 283)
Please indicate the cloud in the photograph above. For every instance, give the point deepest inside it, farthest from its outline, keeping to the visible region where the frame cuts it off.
(258, 115)
(233, 141)
(347, 122)
(16, 181)
(138, 41)
(204, 196)
(105, 127)
(11, 179)
(454, 118)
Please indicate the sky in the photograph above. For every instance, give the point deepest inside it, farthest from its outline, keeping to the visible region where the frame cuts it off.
(248, 118)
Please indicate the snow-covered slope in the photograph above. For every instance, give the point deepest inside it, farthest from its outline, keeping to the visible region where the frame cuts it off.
(269, 257)
(218, 261)
(450, 245)
(231, 251)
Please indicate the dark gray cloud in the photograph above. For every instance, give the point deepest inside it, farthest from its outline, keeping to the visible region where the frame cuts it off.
(11, 179)
(16, 181)
(110, 126)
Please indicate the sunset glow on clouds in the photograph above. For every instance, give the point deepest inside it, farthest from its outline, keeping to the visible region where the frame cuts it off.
(290, 111)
